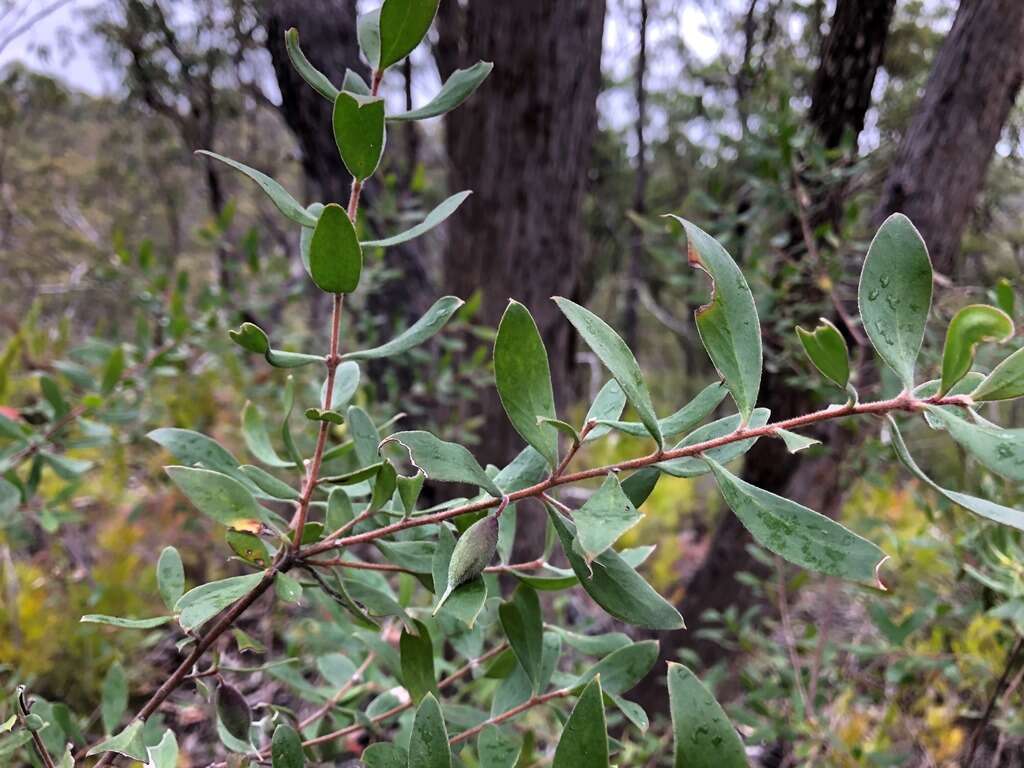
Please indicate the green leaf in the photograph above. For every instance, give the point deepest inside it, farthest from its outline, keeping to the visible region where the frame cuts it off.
(165, 753)
(233, 710)
(604, 517)
(257, 438)
(686, 418)
(523, 624)
(254, 339)
(794, 442)
(128, 743)
(440, 460)
(417, 654)
(319, 414)
(66, 467)
(287, 588)
(423, 329)
(286, 748)
(114, 697)
(826, 348)
(368, 35)
(354, 83)
(623, 668)
(170, 576)
(272, 486)
(523, 379)
(339, 509)
(403, 24)
(640, 485)
(1000, 450)
(428, 744)
(692, 466)
(199, 605)
(193, 448)
(617, 358)
(346, 383)
(472, 553)
(704, 737)
(498, 747)
(970, 326)
(112, 370)
(317, 79)
(798, 534)
(249, 547)
(218, 496)
(607, 407)
(456, 89)
(385, 755)
(359, 132)
(445, 209)
(895, 294)
(467, 600)
(117, 621)
(335, 259)
(284, 202)
(615, 586)
(584, 740)
(728, 324)
(1006, 382)
(364, 435)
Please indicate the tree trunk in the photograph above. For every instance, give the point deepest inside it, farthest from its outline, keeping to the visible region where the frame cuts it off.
(850, 57)
(941, 162)
(522, 143)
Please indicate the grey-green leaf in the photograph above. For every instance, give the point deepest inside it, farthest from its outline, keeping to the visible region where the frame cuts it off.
(1000, 450)
(403, 24)
(826, 348)
(692, 466)
(335, 258)
(428, 744)
(617, 358)
(728, 324)
(523, 625)
(441, 460)
(284, 202)
(623, 668)
(704, 737)
(1005, 382)
(437, 216)
(604, 517)
(498, 747)
(523, 379)
(286, 748)
(359, 132)
(895, 294)
(686, 418)
(128, 743)
(220, 497)
(117, 621)
(615, 585)
(114, 697)
(798, 534)
(417, 655)
(257, 438)
(467, 600)
(584, 739)
(607, 407)
(456, 89)
(424, 328)
(170, 576)
(317, 79)
(199, 605)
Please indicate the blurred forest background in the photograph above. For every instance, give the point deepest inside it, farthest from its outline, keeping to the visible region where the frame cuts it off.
(789, 129)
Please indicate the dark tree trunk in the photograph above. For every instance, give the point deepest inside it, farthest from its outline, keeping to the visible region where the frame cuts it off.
(634, 269)
(941, 162)
(850, 57)
(522, 143)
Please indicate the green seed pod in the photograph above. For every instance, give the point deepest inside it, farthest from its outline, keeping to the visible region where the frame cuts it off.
(233, 711)
(472, 553)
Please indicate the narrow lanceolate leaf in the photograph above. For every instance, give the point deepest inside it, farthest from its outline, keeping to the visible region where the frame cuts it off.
(464, 602)
(419, 332)
(437, 216)
(220, 497)
(584, 739)
(1006, 382)
(233, 710)
(317, 79)
(440, 460)
(165, 753)
(284, 202)
(607, 407)
(428, 745)
(354, 83)
(335, 259)
(471, 554)
(523, 379)
(199, 605)
(683, 420)
(795, 442)
(1000, 450)
(612, 351)
(117, 621)
(984, 507)
(615, 585)
(704, 737)
(417, 654)
(970, 326)
(728, 323)
(257, 438)
(128, 743)
(604, 517)
(826, 348)
(114, 697)
(692, 466)
(499, 747)
(368, 35)
(523, 625)
(359, 132)
(170, 576)
(456, 89)
(895, 294)
(403, 24)
(798, 534)
(193, 448)
(623, 668)
(286, 748)
(112, 370)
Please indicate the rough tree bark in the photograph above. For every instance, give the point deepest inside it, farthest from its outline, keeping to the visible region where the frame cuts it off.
(522, 143)
(850, 57)
(941, 162)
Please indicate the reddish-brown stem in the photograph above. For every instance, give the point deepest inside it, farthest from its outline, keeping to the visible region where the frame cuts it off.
(533, 701)
(904, 402)
(360, 671)
(340, 562)
(37, 742)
